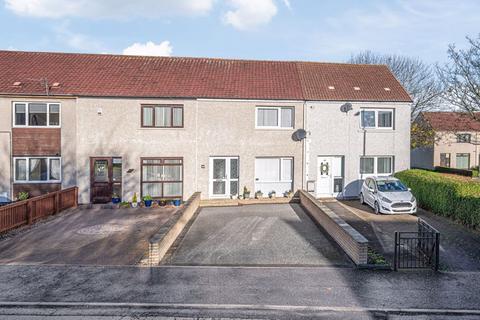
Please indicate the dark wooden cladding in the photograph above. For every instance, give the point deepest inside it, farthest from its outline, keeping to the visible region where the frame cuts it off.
(35, 189)
(36, 141)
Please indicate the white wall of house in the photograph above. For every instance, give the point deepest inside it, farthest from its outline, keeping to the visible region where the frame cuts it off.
(331, 132)
(446, 142)
(5, 149)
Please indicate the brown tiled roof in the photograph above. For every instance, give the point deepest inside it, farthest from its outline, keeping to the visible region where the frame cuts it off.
(451, 121)
(175, 77)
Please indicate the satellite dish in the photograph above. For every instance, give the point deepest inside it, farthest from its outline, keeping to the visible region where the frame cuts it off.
(299, 135)
(346, 107)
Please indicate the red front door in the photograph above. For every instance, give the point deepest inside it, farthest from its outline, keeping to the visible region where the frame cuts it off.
(101, 180)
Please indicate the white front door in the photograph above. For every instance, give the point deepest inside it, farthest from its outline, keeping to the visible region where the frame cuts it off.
(329, 176)
(224, 173)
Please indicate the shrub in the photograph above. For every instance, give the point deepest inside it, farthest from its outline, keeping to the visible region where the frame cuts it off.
(459, 200)
(462, 172)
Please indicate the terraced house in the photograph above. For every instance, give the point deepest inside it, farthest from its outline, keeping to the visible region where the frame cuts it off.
(168, 127)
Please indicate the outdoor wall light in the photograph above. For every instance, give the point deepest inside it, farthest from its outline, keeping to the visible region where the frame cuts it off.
(130, 170)
(99, 111)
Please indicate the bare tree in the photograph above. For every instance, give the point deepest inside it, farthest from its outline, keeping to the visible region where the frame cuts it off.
(417, 77)
(461, 78)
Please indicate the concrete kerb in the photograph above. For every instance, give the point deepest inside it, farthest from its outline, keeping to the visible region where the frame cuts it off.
(161, 241)
(350, 240)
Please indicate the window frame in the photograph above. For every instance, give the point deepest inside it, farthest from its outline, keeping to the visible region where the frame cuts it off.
(27, 114)
(162, 182)
(463, 154)
(27, 174)
(468, 135)
(171, 106)
(279, 118)
(376, 111)
(447, 156)
(375, 166)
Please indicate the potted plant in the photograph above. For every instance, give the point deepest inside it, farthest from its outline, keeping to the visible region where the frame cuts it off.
(177, 202)
(272, 194)
(148, 201)
(162, 202)
(124, 204)
(288, 194)
(115, 198)
(22, 196)
(134, 200)
(246, 193)
(258, 194)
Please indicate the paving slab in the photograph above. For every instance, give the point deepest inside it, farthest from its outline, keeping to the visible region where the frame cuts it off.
(95, 236)
(269, 234)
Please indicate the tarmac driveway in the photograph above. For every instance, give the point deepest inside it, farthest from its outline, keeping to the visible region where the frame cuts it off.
(459, 245)
(86, 237)
(266, 234)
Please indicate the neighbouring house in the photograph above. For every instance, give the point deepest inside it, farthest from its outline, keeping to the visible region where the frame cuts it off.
(454, 142)
(170, 126)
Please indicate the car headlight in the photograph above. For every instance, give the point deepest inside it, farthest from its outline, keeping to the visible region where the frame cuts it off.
(413, 199)
(386, 200)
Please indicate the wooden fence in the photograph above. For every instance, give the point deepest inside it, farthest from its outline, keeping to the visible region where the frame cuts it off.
(29, 211)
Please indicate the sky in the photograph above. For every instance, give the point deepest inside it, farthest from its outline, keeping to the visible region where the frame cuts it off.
(314, 30)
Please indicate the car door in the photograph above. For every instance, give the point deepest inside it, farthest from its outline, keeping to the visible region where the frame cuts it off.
(369, 196)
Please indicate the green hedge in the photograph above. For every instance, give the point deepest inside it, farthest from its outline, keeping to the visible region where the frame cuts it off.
(459, 200)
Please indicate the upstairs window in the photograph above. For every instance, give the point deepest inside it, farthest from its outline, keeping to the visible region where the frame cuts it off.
(275, 117)
(464, 138)
(162, 116)
(377, 119)
(36, 114)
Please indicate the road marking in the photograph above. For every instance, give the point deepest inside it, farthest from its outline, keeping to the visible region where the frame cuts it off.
(227, 307)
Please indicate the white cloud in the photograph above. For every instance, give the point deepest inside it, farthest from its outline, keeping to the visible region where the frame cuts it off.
(76, 40)
(287, 4)
(108, 8)
(248, 14)
(149, 49)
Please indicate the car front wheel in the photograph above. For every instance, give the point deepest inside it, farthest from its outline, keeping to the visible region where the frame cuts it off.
(362, 200)
(376, 207)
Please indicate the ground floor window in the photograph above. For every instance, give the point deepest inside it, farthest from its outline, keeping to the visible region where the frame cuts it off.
(273, 174)
(37, 169)
(445, 160)
(463, 160)
(162, 177)
(381, 165)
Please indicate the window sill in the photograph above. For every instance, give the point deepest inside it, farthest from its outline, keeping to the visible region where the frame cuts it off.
(37, 182)
(274, 129)
(154, 128)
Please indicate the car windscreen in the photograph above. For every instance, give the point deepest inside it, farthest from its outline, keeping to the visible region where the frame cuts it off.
(390, 186)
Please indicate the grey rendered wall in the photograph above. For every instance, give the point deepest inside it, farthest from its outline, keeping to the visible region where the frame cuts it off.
(211, 128)
(332, 132)
(117, 132)
(422, 158)
(68, 134)
(446, 142)
(5, 149)
(227, 128)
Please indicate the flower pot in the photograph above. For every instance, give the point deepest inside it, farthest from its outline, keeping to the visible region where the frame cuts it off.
(246, 195)
(116, 200)
(134, 204)
(176, 203)
(148, 203)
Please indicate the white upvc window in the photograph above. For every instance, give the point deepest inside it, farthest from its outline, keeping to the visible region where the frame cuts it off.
(376, 165)
(37, 169)
(274, 117)
(376, 118)
(36, 114)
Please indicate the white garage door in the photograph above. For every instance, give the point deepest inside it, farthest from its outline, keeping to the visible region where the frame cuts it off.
(273, 174)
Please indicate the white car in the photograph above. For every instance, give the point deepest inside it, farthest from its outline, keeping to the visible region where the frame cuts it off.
(387, 195)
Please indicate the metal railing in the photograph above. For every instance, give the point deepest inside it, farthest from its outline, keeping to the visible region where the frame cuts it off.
(417, 250)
